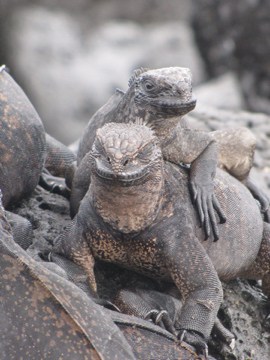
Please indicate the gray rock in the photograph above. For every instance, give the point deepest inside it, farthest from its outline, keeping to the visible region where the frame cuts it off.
(222, 92)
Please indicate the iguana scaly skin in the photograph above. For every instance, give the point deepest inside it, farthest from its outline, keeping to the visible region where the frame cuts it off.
(25, 148)
(138, 214)
(44, 315)
(22, 142)
(159, 99)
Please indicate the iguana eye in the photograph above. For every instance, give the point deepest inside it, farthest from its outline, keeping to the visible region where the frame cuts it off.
(148, 85)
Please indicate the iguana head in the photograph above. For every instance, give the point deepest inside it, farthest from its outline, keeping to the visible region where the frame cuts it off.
(164, 92)
(125, 152)
(127, 176)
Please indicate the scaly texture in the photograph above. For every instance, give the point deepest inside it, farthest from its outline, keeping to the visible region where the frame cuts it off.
(140, 216)
(22, 142)
(44, 315)
(159, 99)
(25, 149)
(55, 315)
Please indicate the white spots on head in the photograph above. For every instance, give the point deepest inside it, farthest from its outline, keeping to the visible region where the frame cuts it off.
(123, 140)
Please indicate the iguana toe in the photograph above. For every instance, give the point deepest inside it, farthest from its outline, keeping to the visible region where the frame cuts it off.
(195, 339)
(225, 335)
(54, 184)
(161, 318)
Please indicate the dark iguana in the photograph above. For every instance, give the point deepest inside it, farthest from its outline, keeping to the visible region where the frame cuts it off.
(44, 315)
(22, 142)
(138, 213)
(159, 99)
(25, 149)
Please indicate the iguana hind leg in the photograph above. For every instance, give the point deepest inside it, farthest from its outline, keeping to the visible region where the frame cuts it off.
(162, 309)
(236, 155)
(149, 305)
(260, 196)
(59, 168)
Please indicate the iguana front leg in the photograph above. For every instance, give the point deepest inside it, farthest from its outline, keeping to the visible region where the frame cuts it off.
(77, 251)
(199, 150)
(196, 278)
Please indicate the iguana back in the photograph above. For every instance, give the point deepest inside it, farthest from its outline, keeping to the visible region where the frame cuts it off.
(22, 142)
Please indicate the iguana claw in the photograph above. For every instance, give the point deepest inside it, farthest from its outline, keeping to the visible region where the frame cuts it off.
(161, 318)
(195, 339)
(53, 184)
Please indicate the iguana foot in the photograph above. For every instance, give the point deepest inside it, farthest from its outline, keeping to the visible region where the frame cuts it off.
(206, 204)
(54, 184)
(195, 339)
(161, 318)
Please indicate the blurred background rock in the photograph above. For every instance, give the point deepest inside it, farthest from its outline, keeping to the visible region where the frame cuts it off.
(70, 56)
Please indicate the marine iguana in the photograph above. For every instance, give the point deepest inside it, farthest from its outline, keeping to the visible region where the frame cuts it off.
(45, 315)
(160, 98)
(138, 214)
(22, 144)
(25, 148)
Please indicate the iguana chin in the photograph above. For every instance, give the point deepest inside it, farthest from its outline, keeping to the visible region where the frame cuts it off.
(138, 214)
(159, 99)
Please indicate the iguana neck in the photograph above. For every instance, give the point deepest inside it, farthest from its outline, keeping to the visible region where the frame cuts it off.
(128, 208)
(126, 111)
(164, 128)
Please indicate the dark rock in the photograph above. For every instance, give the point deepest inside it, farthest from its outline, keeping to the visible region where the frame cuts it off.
(234, 35)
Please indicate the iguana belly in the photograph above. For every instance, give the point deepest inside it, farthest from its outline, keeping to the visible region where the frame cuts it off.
(141, 254)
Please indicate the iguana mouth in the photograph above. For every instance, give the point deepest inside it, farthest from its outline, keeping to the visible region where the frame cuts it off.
(172, 103)
(126, 178)
(172, 106)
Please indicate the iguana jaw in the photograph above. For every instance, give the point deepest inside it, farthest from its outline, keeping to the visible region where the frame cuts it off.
(124, 178)
(170, 106)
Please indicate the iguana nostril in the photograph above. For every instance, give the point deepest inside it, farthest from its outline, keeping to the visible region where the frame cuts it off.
(125, 162)
(109, 160)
